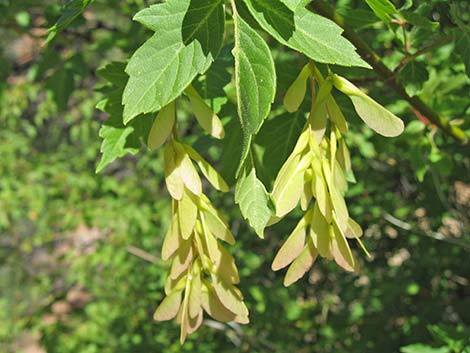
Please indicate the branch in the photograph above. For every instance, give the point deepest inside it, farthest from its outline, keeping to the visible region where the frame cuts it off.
(387, 75)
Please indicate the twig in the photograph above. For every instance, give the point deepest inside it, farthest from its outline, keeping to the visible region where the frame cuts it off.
(434, 235)
(386, 74)
(142, 254)
(423, 50)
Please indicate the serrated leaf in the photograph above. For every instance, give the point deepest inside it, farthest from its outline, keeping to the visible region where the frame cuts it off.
(372, 113)
(204, 22)
(313, 35)
(382, 8)
(71, 10)
(169, 307)
(114, 144)
(255, 80)
(414, 75)
(254, 201)
(118, 139)
(167, 63)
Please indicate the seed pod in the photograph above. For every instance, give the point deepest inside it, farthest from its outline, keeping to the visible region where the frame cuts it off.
(209, 172)
(296, 92)
(208, 120)
(174, 181)
(341, 251)
(320, 233)
(169, 307)
(213, 306)
(372, 113)
(288, 187)
(302, 264)
(336, 115)
(188, 173)
(162, 126)
(294, 244)
(187, 215)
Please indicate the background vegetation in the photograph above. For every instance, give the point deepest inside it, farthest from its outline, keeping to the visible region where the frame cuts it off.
(79, 252)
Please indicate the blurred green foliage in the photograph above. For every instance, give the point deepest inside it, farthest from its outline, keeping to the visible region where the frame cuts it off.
(79, 252)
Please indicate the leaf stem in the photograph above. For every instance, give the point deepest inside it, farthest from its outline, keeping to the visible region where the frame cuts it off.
(388, 76)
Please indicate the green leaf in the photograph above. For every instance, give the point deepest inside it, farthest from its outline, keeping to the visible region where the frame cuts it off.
(255, 80)
(462, 46)
(313, 35)
(118, 139)
(254, 201)
(423, 348)
(70, 11)
(372, 113)
(204, 22)
(382, 8)
(168, 62)
(61, 84)
(414, 75)
(114, 144)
